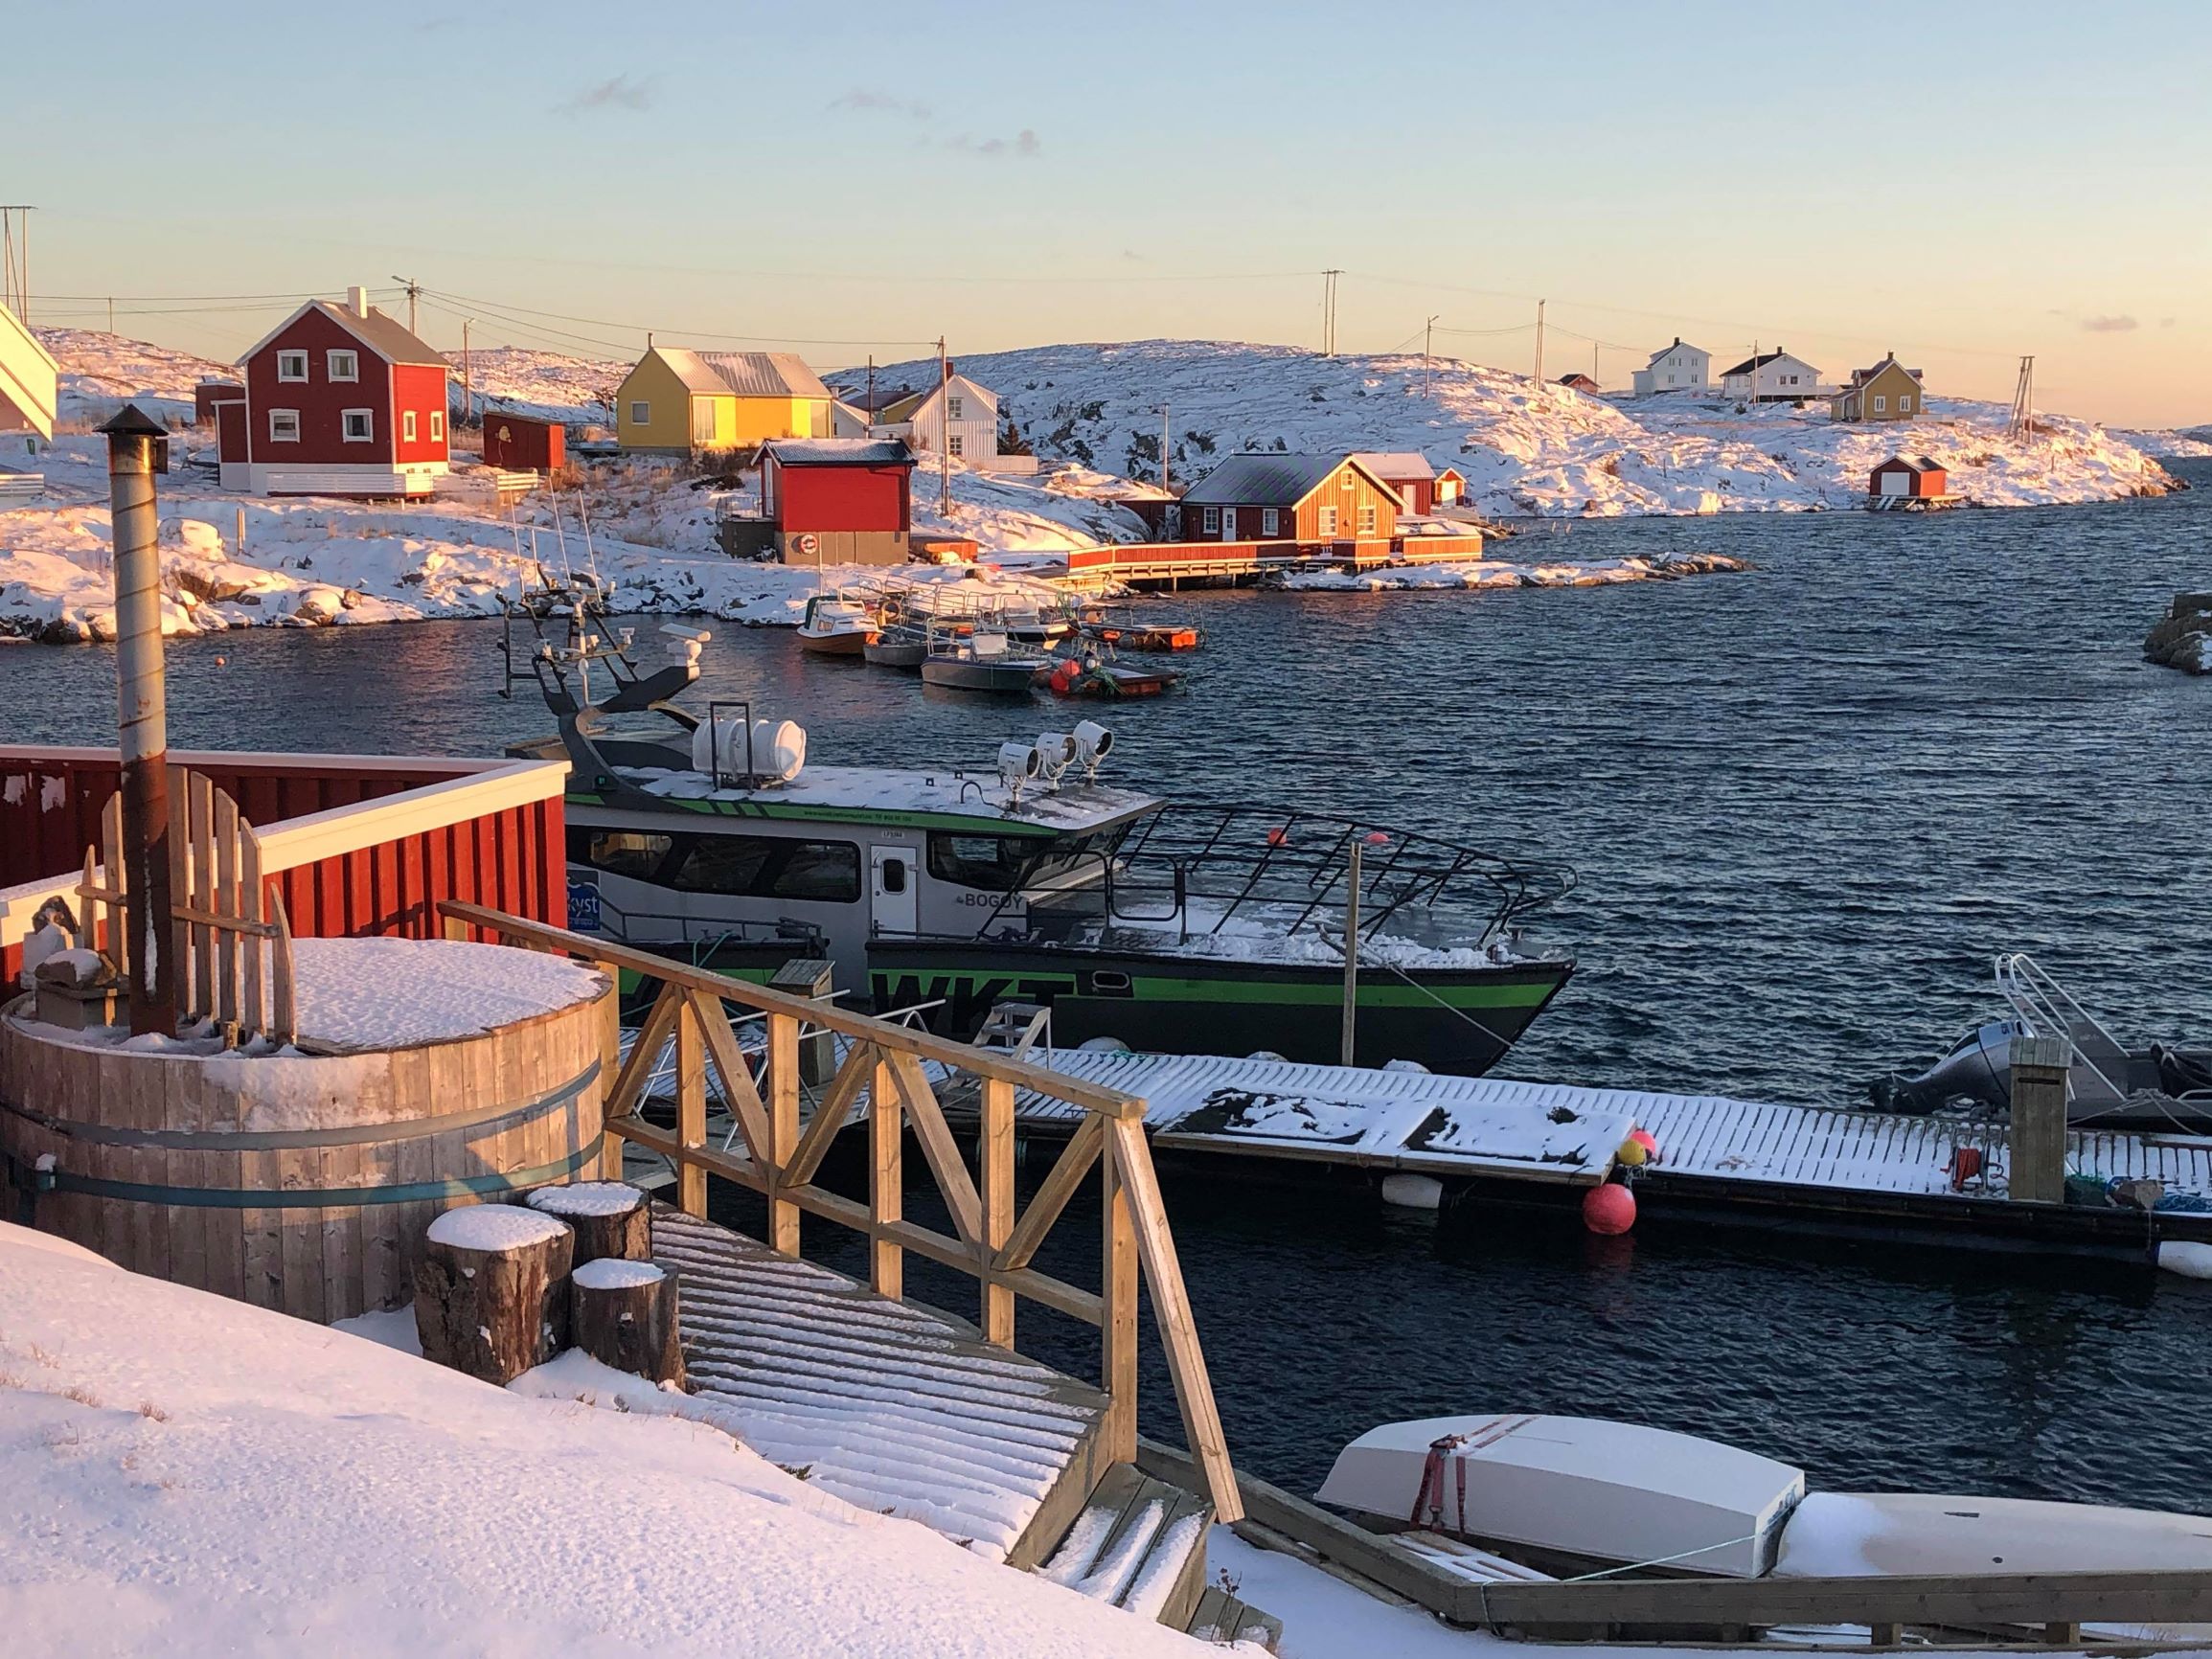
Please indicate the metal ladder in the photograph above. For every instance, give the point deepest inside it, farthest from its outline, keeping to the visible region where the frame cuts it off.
(1017, 1028)
(2045, 1008)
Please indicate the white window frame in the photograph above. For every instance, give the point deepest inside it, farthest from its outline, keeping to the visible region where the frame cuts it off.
(407, 427)
(1881, 403)
(1271, 521)
(1212, 521)
(278, 417)
(1345, 482)
(1328, 523)
(1366, 519)
(340, 364)
(640, 412)
(437, 426)
(289, 356)
(367, 432)
(952, 410)
(1904, 402)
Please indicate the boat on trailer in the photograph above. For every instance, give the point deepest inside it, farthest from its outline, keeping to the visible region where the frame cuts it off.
(1173, 927)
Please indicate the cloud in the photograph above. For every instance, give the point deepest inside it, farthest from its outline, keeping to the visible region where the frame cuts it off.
(930, 134)
(882, 103)
(2109, 324)
(1022, 144)
(619, 93)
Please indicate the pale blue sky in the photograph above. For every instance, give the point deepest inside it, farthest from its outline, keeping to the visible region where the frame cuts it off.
(1963, 182)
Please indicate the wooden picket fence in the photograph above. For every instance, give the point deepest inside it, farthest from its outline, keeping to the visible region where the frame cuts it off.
(882, 1076)
(229, 942)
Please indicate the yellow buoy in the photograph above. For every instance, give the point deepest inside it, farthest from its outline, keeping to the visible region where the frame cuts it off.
(1631, 1152)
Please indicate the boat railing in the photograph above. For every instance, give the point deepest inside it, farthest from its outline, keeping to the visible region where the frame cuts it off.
(2045, 1008)
(883, 1081)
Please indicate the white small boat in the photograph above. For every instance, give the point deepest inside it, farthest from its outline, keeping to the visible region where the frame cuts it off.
(836, 625)
(1867, 1534)
(1579, 1487)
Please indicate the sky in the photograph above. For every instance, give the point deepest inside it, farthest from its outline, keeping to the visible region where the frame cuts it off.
(1962, 183)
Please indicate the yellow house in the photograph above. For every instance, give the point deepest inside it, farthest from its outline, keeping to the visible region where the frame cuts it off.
(1888, 391)
(678, 402)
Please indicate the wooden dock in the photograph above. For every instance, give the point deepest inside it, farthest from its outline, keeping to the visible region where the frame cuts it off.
(1172, 564)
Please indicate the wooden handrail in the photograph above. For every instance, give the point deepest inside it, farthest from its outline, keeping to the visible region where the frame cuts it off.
(883, 1074)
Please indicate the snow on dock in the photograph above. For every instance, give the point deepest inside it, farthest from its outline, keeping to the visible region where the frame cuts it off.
(895, 1409)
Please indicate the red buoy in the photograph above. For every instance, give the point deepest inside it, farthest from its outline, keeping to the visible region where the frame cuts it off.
(1609, 1210)
(1278, 837)
(1644, 1139)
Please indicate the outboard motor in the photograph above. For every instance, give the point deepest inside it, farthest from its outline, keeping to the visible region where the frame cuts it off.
(1979, 1069)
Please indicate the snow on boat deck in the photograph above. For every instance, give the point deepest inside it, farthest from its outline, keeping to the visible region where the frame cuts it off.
(1442, 1124)
(888, 1406)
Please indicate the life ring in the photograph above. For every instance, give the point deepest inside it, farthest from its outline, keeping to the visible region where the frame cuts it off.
(807, 542)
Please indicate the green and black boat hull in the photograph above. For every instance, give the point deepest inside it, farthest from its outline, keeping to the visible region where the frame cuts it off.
(1459, 1020)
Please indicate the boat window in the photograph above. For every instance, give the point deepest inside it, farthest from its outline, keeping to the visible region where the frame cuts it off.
(894, 875)
(996, 863)
(771, 867)
(619, 852)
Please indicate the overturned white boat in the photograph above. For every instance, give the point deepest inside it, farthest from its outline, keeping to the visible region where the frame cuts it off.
(1869, 1535)
(1573, 1490)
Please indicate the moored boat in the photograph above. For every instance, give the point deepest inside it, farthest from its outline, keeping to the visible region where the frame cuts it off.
(836, 625)
(897, 647)
(978, 659)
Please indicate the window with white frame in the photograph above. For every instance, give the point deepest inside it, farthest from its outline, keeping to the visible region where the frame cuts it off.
(1345, 482)
(1328, 521)
(342, 364)
(1881, 403)
(292, 366)
(284, 425)
(1271, 521)
(1367, 520)
(357, 426)
(407, 425)
(1904, 402)
(437, 426)
(952, 409)
(952, 445)
(1212, 521)
(639, 413)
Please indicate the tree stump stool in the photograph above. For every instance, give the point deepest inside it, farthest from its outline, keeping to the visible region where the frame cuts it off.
(608, 1217)
(491, 1290)
(625, 1315)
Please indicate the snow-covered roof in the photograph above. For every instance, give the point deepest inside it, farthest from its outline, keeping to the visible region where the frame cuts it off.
(1396, 465)
(692, 369)
(387, 336)
(765, 374)
(973, 793)
(1273, 480)
(1906, 464)
(839, 451)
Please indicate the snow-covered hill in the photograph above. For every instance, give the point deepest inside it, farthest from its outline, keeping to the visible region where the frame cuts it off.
(103, 372)
(572, 390)
(1525, 449)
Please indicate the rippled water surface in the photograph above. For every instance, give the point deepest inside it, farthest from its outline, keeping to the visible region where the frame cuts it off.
(1806, 804)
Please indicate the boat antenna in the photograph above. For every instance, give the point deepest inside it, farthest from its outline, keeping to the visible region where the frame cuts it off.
(568, 576)
(583, 514)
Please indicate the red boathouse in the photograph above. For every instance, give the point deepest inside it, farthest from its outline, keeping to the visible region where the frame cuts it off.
(838, 500)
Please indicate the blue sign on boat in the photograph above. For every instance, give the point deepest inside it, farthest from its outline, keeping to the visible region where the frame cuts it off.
(583, 907)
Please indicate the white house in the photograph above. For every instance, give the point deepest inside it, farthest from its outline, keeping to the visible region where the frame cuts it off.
(958, 416)
(1678, 367)
(848, 420)
(29, 376)
(1771, 377)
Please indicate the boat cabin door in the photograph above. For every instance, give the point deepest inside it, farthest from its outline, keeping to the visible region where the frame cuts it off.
(891, 890)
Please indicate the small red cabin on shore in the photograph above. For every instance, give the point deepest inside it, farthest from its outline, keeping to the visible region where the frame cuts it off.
(524, 443)
(210, 392)
(1921, 480)
(838, 500)
(1279, 497)
(339, 400)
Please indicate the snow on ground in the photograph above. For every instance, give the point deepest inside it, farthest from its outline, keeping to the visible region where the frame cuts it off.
(1525, 449)
(103, 372)
(545, 384)
(192, 1476)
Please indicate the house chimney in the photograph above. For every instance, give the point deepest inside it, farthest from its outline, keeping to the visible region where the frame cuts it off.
(357, 302)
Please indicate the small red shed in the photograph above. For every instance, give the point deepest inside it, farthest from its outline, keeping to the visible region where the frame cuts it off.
(1579, 382)
(208, 394)
(838, 500)
(524, 443)
(1901, 476)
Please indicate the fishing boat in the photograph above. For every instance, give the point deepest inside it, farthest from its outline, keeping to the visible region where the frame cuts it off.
(1093, 676)
(897, 646)
(1172, 926)
(1569, 1493)
(836, 625)
(979, 659)
(2110, 1084)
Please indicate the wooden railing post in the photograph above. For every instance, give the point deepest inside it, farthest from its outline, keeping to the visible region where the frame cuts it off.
(691, 1107)
(783, 1129)
(886, 1183)
(1118, 1321)
(995, 1161)
(609, 1069)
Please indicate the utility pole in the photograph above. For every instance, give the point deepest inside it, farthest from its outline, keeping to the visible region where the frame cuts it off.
(1540, 342)
(468, 375)
(111, 314)
(1427, 364)
(15, 259)
(1329, 313)
(943, 433)
(414, 293)
(137, 447)
(1163, 446)
(2022, 424)
(871, 388)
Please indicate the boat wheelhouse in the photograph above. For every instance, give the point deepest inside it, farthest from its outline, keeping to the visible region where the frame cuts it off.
(948, 891)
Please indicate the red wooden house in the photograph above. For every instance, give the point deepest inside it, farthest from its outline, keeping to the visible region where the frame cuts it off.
(1903, 476)
(339, 400)
(524, 443)
(1306, 498)
(838, 500)
(1578, 381)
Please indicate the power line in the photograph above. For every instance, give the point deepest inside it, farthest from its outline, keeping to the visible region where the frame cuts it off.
(688, 334)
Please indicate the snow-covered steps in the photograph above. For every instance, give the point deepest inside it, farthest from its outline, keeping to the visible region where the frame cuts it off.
(889, 1406)
(1222, 1618)
(1139, 1543)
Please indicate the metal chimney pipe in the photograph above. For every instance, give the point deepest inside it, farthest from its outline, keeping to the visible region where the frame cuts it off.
(137, 447)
